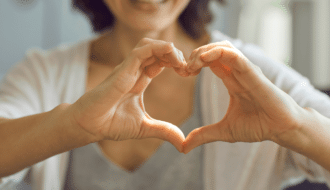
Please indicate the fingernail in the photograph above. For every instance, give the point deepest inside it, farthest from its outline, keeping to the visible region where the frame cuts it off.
(180, 56)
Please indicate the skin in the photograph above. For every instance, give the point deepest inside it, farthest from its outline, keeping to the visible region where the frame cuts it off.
(258, 110)
(115, 113)
(158, 98)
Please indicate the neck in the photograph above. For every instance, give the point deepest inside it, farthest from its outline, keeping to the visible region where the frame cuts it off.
(121, 40)
(128, 38)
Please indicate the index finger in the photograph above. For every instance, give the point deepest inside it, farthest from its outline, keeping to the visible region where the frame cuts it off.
(229, 57)
(138, 56)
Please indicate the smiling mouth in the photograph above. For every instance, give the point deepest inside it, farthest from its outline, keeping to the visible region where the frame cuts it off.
(149, 1)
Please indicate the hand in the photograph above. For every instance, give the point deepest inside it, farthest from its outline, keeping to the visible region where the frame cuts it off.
(258, 110)
(114, 110)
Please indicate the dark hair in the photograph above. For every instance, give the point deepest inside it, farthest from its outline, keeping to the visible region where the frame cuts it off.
(193, 19)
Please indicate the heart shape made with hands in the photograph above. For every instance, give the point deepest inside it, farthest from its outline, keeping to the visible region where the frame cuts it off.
(242, 121)
(258, 110)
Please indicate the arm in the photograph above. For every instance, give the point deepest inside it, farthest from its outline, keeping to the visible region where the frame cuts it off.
(258, 109)
(111, 111)
(311, 137)
(31, 139)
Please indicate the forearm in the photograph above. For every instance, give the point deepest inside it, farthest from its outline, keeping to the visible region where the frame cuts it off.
(311, 139)
(29, 140)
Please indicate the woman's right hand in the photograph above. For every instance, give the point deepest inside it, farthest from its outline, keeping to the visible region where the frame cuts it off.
(114, 110)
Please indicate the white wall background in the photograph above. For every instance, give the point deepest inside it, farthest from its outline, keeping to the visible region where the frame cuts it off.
(26, 24)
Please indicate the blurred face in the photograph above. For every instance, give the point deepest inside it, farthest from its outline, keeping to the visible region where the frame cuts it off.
(147, 15)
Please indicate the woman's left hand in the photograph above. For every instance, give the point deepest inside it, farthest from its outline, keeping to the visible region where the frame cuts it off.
(258, 110)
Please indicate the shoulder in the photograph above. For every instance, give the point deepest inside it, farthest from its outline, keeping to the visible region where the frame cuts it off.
(44, 63)
(46, 69)
(58, 56)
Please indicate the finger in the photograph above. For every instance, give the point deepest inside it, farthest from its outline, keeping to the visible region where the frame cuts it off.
(196, 72)
(139, 55)
(219, 71)
(229, 80)
(175, 57)
(141, 84)
(230, 57)
(210, 46)
(148, 74)
(181, 72)
(207, 134)
(131, 69)
(145, 41)
(176, 60)
(152, 128)
(228, 61)
(154, 69)
(155, 66)
(195, 62)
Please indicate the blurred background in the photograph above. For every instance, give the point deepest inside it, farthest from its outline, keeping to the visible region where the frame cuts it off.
(295, 32)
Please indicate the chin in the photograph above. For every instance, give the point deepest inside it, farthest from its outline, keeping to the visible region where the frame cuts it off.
(149, 24)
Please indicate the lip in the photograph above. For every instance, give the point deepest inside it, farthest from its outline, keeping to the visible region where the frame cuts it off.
(148, 5)
(149, 1)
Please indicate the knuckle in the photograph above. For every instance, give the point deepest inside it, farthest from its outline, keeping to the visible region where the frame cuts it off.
(195, 51)
(228, 43)
(145, 40)
(193, 64)
(234, 57)
(198, 63)
(180, 53)
(135, 52)
(169, 46)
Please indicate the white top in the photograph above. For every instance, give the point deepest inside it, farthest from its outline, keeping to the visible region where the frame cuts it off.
(44, 79)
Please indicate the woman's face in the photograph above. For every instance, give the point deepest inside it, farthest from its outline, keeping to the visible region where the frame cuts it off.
(147, 15)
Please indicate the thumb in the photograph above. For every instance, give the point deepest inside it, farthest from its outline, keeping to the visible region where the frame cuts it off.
(152, 128)
(207, 134)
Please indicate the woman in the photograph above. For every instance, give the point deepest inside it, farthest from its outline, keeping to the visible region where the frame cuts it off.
(110, 121)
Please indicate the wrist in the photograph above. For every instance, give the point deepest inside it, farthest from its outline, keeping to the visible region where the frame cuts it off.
(310, 132)
(71, 127)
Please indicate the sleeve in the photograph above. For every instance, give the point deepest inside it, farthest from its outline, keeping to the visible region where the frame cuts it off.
(21, 95)
(301, 90)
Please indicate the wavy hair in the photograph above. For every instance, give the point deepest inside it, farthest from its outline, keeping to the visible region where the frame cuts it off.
(193, 19)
